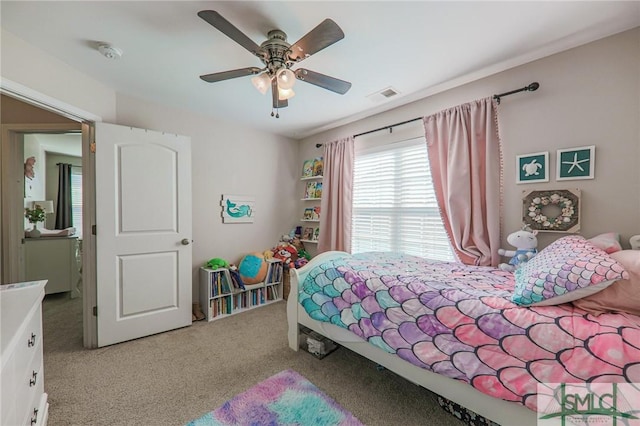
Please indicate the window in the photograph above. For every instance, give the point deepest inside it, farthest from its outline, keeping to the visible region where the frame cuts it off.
(394, 204)
(76, 199)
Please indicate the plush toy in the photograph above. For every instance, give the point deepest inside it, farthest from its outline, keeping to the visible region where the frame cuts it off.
(526, 244)
(287, 253)
(253, 268)
(217, 263)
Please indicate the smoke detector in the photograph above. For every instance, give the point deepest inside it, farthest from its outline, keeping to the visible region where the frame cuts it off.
(109, 51)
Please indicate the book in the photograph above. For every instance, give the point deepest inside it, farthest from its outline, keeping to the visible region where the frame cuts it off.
(315, 215)
(316, 234)
(310, 190)
(308, 214)
(307, 234)
(318, 190)
(318, 166)
(307, 168)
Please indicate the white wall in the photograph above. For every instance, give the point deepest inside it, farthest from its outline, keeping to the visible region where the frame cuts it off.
(589, 95)
(42, 73)
(227, 159)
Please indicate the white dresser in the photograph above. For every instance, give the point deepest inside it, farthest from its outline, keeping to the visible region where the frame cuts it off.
(22, 397)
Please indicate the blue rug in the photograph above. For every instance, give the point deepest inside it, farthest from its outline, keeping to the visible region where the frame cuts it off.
(284, 399)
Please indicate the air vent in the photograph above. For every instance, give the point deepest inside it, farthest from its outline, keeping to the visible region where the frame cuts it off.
(383, 94)
(387, 93)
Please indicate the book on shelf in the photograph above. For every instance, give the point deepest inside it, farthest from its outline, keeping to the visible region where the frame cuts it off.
(308, 213)
(318, 190)
(316, 234)
(307, 233)
(312, 167)
(318, 166)
(315, 215)
(307, 168)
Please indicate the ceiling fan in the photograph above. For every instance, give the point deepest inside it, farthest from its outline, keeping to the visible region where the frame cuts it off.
(278, 56)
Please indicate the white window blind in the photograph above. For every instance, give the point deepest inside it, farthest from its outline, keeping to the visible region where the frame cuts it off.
(76, 199)
(394, 204)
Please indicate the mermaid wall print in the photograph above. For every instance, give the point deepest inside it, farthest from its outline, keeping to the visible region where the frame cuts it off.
(237, 208)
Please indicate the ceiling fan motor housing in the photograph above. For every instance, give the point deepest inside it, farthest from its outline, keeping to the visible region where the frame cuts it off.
(276, 51)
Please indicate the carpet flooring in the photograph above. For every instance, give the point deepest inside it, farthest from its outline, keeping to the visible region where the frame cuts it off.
(178, 376)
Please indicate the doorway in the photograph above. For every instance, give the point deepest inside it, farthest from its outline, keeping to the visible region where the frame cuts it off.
(22, 122)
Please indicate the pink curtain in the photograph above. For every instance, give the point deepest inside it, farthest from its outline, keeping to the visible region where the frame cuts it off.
(466, 167)
(337, 196)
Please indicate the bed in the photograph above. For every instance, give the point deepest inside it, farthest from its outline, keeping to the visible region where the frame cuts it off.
(456, 330)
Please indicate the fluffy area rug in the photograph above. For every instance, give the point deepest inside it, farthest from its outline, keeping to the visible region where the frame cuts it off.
(286, 398)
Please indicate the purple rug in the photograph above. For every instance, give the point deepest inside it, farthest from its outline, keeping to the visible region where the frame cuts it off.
(284, 399)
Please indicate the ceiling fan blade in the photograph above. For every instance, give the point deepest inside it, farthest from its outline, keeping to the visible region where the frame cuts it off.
(324, 81)
(228, 29)
(324, 35)
(277, 103)
(226, 75)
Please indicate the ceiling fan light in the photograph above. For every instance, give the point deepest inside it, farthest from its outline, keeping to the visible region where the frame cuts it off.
(286, 78)
(262, 82)
(284, 94)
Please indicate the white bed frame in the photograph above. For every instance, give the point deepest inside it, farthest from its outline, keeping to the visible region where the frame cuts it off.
(502, 412)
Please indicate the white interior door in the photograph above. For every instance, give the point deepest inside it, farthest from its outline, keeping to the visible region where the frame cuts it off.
(143, 223)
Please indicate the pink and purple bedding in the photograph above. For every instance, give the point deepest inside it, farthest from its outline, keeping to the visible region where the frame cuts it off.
(459, 321)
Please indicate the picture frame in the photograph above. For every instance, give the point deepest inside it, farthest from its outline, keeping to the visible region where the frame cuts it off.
(532, 168)
(576, 163)
(554, 210)
(237, 208)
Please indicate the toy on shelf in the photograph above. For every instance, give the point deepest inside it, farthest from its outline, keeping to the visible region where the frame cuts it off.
(253, 268)
(217, 263)
(525, 242)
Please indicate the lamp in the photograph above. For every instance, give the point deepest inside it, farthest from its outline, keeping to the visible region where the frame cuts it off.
(284, 94)
(47, 206)
(286, 78)
(261, 82)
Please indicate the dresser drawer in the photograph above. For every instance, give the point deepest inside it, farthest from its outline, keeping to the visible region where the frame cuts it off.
(29, 390)
(29, 342)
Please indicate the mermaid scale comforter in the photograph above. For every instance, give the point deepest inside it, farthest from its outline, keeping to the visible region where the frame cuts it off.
(459, 321)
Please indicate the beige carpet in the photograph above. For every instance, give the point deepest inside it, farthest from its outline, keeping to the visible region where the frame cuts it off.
(174, 377)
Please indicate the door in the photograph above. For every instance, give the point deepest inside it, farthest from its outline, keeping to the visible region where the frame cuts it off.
(143, 232)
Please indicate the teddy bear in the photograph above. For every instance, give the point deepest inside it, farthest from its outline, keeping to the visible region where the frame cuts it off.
(525, 242)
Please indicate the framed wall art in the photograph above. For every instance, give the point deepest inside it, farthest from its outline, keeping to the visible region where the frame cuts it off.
(576, 163)
(532, 167)
(237, 208)
(555, 210)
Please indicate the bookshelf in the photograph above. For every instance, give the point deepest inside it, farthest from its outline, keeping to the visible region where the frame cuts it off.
(312, 179)
(220, 296)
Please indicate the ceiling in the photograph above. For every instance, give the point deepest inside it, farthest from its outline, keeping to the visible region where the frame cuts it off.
(418, 48)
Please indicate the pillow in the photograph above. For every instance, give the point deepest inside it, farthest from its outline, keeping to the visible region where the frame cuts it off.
(621, 296)
(567, 269)
(609, 242)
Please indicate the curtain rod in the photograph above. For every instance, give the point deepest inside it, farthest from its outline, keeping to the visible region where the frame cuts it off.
(531, 88)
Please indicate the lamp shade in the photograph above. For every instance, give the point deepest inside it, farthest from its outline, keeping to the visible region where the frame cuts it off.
(47, 206)
(286, 78)
(262, 82)
(284, 94)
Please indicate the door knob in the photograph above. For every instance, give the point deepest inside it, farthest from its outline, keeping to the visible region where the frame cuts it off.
(185, 241)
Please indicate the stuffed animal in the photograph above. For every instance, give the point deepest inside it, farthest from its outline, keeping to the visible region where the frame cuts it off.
(253, 268)
(217, 263)
(286, 252)
(526, 244)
